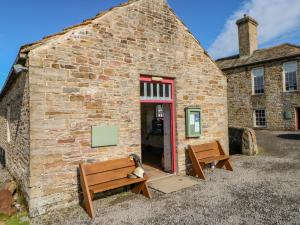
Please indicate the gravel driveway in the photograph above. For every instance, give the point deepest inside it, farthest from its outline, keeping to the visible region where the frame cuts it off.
(264, 189)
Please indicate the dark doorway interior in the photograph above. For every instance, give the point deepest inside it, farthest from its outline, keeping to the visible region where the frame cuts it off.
(155, 137)
(2, 157)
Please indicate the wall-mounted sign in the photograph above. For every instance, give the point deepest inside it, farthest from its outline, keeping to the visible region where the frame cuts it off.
(105, 136)
(156, 78)
(193, 122)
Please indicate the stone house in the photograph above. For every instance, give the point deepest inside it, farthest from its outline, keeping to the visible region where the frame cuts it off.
(263, 84)
(97, 78)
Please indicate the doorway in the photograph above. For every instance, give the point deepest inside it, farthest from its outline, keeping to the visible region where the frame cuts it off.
(297, 118)
(158, 125)
(156, 138)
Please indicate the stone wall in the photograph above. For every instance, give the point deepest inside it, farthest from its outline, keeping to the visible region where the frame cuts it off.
(241, 102)
(90, 76)
(17, 150)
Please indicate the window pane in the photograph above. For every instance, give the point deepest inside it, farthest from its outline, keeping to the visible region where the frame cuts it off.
(142, 89)
(159, 111)
(258, 80)
(290, 72)
(155, 90)
(290, 67)
(148, 90)
(161, 91)
(167, 91)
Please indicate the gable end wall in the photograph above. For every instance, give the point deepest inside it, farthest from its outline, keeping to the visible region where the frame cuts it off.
(90, 76)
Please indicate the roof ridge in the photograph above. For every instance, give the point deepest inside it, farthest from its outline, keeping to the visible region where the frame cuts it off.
(277, 46)
(259, 50)
(293, 45)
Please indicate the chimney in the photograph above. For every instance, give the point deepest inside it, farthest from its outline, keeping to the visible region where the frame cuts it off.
(247, 28)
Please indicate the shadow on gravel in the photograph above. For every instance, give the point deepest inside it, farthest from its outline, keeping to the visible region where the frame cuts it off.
(290, 136)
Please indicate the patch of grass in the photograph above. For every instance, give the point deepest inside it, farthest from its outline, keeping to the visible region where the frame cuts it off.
(18, 219)
(3, 217)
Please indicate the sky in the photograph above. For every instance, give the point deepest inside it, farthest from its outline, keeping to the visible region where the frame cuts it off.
(211, 21)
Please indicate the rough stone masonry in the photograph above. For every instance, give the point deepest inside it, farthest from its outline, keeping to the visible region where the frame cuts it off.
(281, 106)
(89, 75)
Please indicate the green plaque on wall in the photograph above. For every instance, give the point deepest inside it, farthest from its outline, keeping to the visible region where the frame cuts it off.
(105, 136)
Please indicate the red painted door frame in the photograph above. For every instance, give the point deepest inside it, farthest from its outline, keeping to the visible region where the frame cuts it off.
(172, 103)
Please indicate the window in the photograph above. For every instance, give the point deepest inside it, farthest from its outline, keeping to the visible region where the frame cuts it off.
(290, 76)
(258, 81)
(159, 111)
(155, 91)
(8, 123)
(260, 118)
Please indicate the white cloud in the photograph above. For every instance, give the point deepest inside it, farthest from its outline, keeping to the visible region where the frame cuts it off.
(276, 18)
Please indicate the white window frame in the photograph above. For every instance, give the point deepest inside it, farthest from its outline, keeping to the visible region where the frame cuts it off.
(158, 97)
(253, 83)
(8, 115)
(284, 74)
(254, 118)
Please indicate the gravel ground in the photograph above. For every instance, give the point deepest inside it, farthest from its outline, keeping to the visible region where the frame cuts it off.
(264, 189)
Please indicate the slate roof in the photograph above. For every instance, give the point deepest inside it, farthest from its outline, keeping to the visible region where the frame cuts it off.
(261, 55)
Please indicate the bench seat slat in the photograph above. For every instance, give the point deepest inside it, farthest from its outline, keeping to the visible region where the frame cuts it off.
(208, 153)
(213, 158)
(204, 147)
(111, 175)
(108, 165)
(114, 184)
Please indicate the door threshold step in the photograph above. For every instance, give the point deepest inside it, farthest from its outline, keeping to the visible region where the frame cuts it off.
(161, 177)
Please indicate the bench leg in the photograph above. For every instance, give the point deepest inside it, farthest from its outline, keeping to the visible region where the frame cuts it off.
(198, 170)
(88, 205)
(228, 165)
(225, 163)
(145, 190)
(142, 188)
(197, 167)
(137, 188)
(87, 196)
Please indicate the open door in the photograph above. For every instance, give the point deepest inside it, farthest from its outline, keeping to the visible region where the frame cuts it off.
(297, 118)
(167, 139)
(156, 138)
(158, 134)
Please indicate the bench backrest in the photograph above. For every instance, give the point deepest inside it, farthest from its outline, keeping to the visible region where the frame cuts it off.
(207, 150)
(101, 172)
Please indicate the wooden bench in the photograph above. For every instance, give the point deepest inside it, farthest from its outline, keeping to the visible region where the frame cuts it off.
(204, 154)
(108, 175)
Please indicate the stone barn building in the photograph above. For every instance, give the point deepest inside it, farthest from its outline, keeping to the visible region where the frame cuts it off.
(119, 83)
(263, 84)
